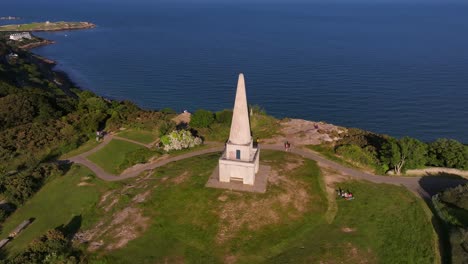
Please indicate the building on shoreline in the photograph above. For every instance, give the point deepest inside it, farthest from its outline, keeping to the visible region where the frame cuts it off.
(20, 36)
(240, 160)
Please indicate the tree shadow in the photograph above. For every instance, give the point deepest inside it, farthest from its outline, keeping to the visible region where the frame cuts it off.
(69, 230)
(182, 126)
(196, 134)
(64, 165)
(443, 234)
(433, 183)
(7, 207)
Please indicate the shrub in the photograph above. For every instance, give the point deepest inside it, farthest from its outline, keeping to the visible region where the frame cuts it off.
(178, 140)
(360, 155)
(53, 247)
(165, 127)
(224, 117)
(202, 118)
(443, 212)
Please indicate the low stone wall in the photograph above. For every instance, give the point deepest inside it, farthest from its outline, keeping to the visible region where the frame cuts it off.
(435, 170)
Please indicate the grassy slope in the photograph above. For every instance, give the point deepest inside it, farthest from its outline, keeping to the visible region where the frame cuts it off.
(328, 153)
(56, 204)
(389, 224)
(113, 154)
(141, 136)
(185, 218)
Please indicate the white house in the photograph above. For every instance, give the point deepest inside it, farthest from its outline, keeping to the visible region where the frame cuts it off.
(20, 36)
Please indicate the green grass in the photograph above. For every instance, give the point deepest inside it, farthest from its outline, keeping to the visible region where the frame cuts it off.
(115, 156)
(263, 127)
(142, 136)
(185, 217)
(327, 152)
(389, 224)
(56, 204)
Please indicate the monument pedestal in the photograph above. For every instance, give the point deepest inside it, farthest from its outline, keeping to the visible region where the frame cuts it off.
(259, 186)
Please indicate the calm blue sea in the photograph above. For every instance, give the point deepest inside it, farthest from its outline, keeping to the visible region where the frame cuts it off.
(394, 68)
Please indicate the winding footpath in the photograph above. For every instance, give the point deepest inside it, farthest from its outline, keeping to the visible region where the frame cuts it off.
(422, 186)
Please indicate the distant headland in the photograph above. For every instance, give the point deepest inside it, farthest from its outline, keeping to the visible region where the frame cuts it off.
(10, 18)
(48, 26)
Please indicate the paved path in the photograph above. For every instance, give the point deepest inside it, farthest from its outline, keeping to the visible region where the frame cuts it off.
(423, 186)
(139, 168)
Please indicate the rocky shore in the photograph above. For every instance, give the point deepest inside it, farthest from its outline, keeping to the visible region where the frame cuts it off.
(42, 42)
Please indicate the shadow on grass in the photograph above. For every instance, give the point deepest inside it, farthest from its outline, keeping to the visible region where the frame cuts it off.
(70, 229)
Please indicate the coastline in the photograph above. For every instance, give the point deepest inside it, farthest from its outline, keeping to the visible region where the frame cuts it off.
(43, 42)
(47, 26)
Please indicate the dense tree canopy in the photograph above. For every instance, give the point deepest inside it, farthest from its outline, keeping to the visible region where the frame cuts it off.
(448, 153)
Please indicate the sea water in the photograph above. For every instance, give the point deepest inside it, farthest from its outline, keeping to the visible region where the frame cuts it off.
(394, 68)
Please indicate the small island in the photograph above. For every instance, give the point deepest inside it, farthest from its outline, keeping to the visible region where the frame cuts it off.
(48, 26)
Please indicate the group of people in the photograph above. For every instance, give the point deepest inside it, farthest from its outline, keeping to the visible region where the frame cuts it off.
(100, 135)
(345, 194)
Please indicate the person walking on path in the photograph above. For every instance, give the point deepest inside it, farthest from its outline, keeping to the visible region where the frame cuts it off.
(287, 146)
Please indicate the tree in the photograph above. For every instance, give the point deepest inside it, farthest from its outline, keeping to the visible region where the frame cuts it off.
(202, 118)
(53, 247)
(18, 188)
(406, 153)
(448, 153)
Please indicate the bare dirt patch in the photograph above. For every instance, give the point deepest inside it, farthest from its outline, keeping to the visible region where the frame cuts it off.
(130, 223)
(230, 259)
(182, 118)
(115, 230)
(348, 229)
(139, 198)
(290, 202)
(354, 255)
(104, 197)
(223, 198)
(111, 204)
(125, 225)
(181, 178)
(84, 184)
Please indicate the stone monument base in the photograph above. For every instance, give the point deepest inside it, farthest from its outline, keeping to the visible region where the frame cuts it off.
(259, 186)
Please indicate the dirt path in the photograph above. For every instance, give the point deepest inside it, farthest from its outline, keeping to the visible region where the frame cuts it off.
(414, 184)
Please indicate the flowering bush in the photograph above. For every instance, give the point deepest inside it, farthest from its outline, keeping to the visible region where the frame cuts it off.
(179, 139)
